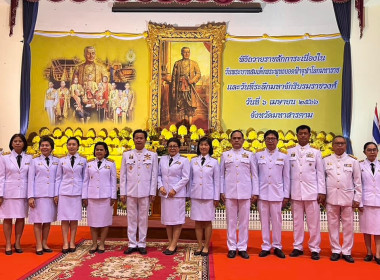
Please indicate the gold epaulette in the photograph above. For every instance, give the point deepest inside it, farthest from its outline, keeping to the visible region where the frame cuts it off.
(6, 153)
(284, 151)
(59, 156)
(36, 156)
(89, 160)
(362, 160)
(314, 147)
(110, 159)
(292, 146)
(260, 150)
(327, 156)
(353, 157)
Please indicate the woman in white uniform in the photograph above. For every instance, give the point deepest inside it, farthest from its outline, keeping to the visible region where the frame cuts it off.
(370, 213)
(173, 176)
(68, 193)
(14, 168)
(204, 191)
(99, 195)
(41, 181)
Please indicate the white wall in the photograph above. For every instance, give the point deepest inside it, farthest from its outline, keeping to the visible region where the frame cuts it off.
(276, 19)
(10, 69)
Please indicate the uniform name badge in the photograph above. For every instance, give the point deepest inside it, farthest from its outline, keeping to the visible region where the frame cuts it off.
(244, 155)
(107, 167)
(147, 157)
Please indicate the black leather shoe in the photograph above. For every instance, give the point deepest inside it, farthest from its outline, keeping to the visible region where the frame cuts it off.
(334, 257)
(377, 260)
(142, 251)
(197, 253)
(100, 251)
(47, 250)
(92, 251)
(348, 258)
(169, 252)
(130, 250)
(65, 251)
(279, 253)
(368, 258)
(243, 254)
(264, 253)
(204, 254)
(315, 256)
(231, 254)
(296, 253)
(40, 253)
(72, 250)
(9, 252)
(18, 251)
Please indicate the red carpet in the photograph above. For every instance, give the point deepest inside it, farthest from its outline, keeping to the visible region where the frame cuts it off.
(17, 265)
(113, 264)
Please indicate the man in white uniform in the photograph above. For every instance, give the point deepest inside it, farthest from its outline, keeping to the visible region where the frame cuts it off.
(344, 192)
(274, 192)
(239, 184)
(308, 190)
(138, 184)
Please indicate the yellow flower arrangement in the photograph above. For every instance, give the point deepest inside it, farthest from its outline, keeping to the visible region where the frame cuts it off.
(215, 143)
(193, 128)
(194, 136)
(108, 141)
(182, 130)
(321, 136)
(290, 135)
(246, 144)
(91, 133)
(116, 142)
(168, 135)
(45, 132)
(215, 135)
(112, 134)
(201, 132)
(252, 135)
(224, 136)
(36, 139)
(102, 133)
(173, 128)
(260, 136)
(330, 136)
(69, 132)
(78, 132)
(57, 133)
(281, 135)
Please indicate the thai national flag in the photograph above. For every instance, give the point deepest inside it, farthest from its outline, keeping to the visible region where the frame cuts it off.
(376, 128)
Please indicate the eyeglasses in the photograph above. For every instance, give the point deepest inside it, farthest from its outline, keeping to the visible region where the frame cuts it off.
(371, 150)
(339, 143)
(172, 147)
(270, 139)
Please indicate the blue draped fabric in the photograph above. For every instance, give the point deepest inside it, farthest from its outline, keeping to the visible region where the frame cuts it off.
(343, 18)
(30, 10)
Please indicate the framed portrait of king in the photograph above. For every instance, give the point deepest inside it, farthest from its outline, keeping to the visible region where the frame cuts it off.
(186, 74)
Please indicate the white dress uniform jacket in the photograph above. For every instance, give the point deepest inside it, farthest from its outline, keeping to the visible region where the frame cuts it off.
(100, 182)
(138, 175)
(41, 179)
(274, 180)
(176, 176)
(69, 180)
(307, 177)
(204, 179)
(343, 180)
(14, 179)
(239, 179)
(371, 183)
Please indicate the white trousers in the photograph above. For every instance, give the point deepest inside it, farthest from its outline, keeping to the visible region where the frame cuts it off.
(237, 210)
(335, 213)
(270, 212)
(137, 213)
(313, 220)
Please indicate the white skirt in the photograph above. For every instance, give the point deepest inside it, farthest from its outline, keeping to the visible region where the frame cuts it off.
(173, 211)
(13, 208)
(99, 212)
(44, 212)
(369, 220)
(202, 210)
(70, 208)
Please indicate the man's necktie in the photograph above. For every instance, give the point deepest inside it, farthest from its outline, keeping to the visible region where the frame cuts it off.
(99, 164)
(19, 160)
(203, 160)
(170, 161)
(72, 161)
(373, 167)
(47, 161)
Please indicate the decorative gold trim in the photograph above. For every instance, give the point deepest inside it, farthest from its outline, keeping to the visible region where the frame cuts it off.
(215, 33)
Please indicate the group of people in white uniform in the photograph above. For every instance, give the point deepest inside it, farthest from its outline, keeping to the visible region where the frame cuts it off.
(55, 188)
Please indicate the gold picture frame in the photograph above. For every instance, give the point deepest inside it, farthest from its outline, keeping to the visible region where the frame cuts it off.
(165, 42)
